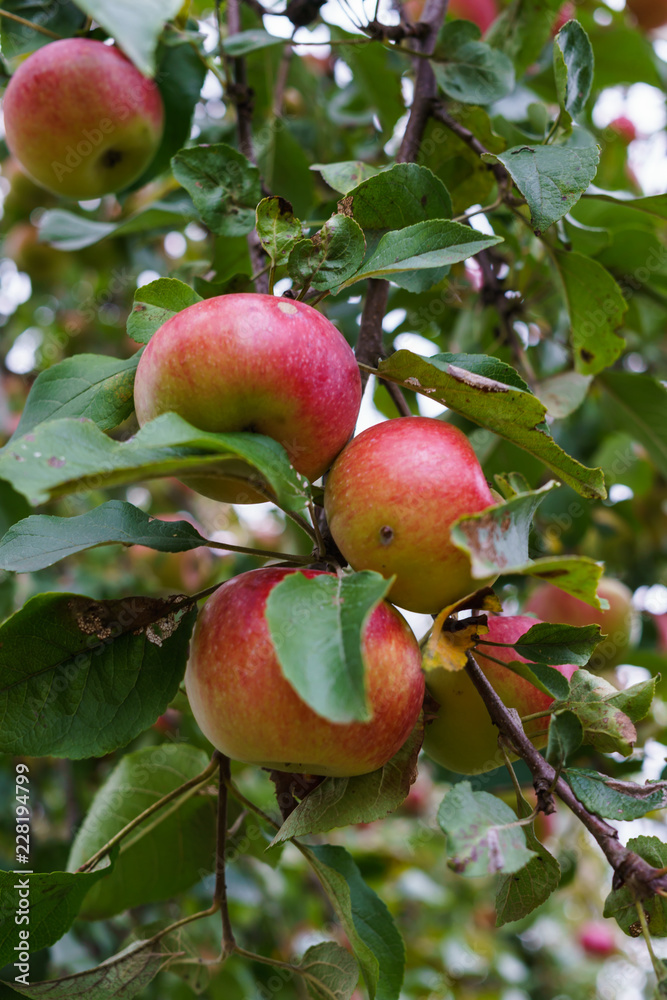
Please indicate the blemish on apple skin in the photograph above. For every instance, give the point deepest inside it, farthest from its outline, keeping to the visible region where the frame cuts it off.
(386, 535)
(288, 308)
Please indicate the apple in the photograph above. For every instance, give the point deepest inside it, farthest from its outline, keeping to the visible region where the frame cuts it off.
(648, 14)
(390, 499)
(568, 12)
(250, 712)
(619, 623)
(248, 362)
(42, 262)
(482, 12)
(624, 128)
(81, 119)
(462, 737)
(597, 939)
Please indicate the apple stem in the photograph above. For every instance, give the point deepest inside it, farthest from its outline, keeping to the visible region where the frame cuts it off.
(536, 715)
(220, 892)
(29, 24)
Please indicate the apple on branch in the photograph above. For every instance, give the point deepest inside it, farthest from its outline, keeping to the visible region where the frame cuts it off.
(391, 498)
(462, 737)
(81, 119)
(648, 14)
(250, 362)
(619, 623)
(248, 710)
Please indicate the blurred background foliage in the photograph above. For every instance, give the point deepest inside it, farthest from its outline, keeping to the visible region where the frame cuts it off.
(348, 102)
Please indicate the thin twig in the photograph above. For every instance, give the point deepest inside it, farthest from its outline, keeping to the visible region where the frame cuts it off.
(220, 892)
(179, 792)
(29, 24)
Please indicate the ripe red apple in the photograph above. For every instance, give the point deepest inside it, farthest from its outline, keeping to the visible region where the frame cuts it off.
(390, 499)
(247, 362)
(624, 128)
(81, 119)
(597, 939)
(619, 623)
(649, 14)
(248, 710)
(567, 13)
(462, 737)
(482, 12)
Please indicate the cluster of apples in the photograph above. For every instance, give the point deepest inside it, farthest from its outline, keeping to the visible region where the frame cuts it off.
(250, 362)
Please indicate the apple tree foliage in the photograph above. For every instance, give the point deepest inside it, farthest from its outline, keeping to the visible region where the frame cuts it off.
(465, 212)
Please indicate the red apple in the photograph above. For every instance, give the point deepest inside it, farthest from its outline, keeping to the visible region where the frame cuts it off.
(390, 499)
(247, 362)
(567, 13)
(597, 939)
(482, 12)
(618, 623)
(248, 710)
(462, 737)
(648, 14)
(81, 119)
(624, 128)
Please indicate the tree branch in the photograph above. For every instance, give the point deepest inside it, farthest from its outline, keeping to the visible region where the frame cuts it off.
(220, 892)
(629, 869)
(369, 345)
(242, 97)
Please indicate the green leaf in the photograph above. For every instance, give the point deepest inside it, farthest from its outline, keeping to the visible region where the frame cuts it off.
(483, 837)
(347, 175)
(136, 27)
(620, 904)
(155, 303)
(322, 657)
(87, 385)
(374, 74)
(67, 456)
(637, 404)
(435, 243)
(13, 507)
(334, 971)
(223, 184)
(63, 18)
(563, 394)
(596, 307)
(339, 802)
(119, 978)
(330, 257)
(552, 179)
(41, 540)
(277, 227)
(81, 678)
(545, 678)
(566, 734)
(253, 40)
(466, 69)
(165, 854)
(512, 413)
(519, 894)
(522, 30)
(654, 205)
(606, 726)
(366, 920)
(612, 799)
(497, 538)
(55, 901)
(559, 643)
(67, 231)
(574, 66)
(636, 700)
(397, 198)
